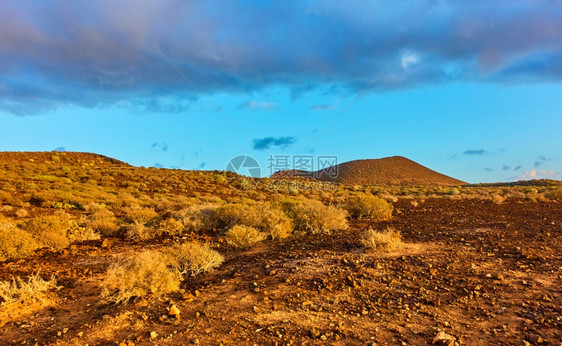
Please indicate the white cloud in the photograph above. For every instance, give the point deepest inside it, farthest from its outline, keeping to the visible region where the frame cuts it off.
(534, 174)
(409, 59)
(267, 105)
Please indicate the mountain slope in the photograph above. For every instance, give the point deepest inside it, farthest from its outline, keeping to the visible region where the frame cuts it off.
(395, 170)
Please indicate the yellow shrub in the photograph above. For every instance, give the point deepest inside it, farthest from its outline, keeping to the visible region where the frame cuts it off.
(77, 233)
(14, 242)
(263, 216)
(193, 258)
(369, 206)
(171, 226)
(49, 230)
(498, 199)
(138, 230)
(103, 221)
(243, 237)
(141, 215)
(19, 290)
(389, 239)
(311, 216)
(142, 274)
(197, 217)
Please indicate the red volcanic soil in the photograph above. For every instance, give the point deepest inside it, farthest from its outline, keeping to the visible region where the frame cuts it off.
(395, 170)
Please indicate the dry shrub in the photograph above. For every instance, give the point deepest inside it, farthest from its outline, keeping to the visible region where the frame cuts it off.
(145, 273)
(193, 258)
(498, 199)
(311, 216)
(78, 233)
(369, 206)
(388, 239)
(49, 230)
(556, 194)
(263, 216)
(243, 237)
(104, 222)
(197, 217)
(388, 197)
(6, 208)
(171, 226)
(15, 243)
(138, 230)
(19, 290)
(141, 215)
(21, 213)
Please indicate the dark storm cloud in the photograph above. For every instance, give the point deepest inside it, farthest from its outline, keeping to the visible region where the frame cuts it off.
(95, 54)
(268, 142)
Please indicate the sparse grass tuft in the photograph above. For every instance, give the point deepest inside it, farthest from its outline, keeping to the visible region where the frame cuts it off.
(369, 206)
(388, 239)
(142, 274)
(19, 290)
(243, 237)
(193, 258)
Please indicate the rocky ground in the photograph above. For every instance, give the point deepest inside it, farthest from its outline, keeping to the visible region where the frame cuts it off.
(472, 272)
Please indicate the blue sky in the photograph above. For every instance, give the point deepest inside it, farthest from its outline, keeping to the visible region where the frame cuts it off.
(468, 89)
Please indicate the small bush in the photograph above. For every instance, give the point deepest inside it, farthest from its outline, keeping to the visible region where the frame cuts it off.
(50, 230)
(243, 237)
(311, 216)
(15, 243)
(141, 215)
(197, 217)
(19, 290)
(556, 194)
(263, 216)
(172, 226)
(369, 206)
(21, 213)
(389, 239)
(77, 233)
(498, 199)
(142, 274)
(104, 222)
(138, 230)
(193, 258)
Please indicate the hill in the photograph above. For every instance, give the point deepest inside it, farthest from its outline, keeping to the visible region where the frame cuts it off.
(395, 170)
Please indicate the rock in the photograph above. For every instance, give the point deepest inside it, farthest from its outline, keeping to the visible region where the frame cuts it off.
(444, 339)
(153, 335)
(535, 339)
(174, 311)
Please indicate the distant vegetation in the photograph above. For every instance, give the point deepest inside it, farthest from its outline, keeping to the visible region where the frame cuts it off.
(51, 200)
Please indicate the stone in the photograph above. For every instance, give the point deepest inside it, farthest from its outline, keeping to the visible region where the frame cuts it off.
(535, 339)
(444, 339)
(174, 311)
